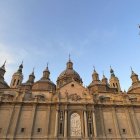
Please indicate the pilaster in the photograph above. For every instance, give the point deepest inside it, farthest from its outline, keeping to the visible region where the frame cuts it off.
(116, 124)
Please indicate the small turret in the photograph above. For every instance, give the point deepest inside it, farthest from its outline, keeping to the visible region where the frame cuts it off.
(17, 77)
(46, 74)
(95, 75)
(114, 81)
(31, 78)
(104, 80)
(134, 77)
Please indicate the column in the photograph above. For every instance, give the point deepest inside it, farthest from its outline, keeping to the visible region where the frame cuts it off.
(94, 124)
(116, 123)
(56, 124)
(85, 121)
(65, 126)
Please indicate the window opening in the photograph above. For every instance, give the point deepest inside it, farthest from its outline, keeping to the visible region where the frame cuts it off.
(39, 130)
(61, 128)
(110, 130)
(22, 130)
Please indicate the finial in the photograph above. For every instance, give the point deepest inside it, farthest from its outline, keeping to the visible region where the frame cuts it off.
(33, 70)
(103, 75)
(131, 69)
(94, 68)
(69, 57)
(47, 68)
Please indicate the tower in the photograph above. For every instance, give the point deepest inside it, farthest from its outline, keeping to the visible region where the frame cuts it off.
(114, 81)
(17, 77)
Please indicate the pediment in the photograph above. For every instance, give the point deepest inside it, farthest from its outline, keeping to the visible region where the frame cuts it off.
(74, 90)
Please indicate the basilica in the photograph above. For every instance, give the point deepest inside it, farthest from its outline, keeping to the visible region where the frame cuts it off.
(67, 110)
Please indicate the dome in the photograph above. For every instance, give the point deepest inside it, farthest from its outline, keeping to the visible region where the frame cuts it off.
(44, 85)
(69, 72)
(68, 75)
(134, 88)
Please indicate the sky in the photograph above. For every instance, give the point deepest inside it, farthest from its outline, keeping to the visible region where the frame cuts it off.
(96, 33)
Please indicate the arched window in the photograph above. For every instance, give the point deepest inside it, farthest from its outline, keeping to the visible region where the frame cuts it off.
(18, 82)
(14, 82)
(113, 84)
(75, 125)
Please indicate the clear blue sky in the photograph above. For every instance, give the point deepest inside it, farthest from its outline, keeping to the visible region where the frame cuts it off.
(96, 33)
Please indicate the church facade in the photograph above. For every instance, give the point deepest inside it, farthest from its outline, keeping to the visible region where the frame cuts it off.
(67, 110)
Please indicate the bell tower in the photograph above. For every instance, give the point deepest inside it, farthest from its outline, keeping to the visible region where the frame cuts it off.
(114, 81)
(17, 77)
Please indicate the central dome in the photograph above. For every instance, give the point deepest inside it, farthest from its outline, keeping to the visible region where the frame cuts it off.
(68, 75)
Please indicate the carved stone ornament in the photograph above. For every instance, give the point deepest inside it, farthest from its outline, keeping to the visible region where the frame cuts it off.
(74, 97)
(39, 98)
(7, 97)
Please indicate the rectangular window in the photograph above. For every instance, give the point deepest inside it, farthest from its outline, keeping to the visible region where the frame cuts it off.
(110, 131)
(22, 130)
(39, 130)
(124, 131)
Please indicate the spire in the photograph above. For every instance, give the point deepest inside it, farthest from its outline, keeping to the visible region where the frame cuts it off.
(134, 76)
(69, 63)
